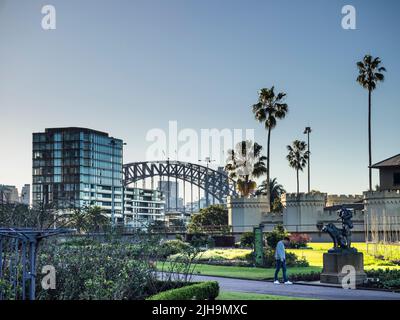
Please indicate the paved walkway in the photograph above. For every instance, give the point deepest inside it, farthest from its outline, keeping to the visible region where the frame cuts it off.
(296, 290)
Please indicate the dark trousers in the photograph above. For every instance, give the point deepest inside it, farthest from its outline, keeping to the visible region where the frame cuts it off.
(280, 264)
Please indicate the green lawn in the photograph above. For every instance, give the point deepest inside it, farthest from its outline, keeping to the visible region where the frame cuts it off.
(230, 295)
(243, 272)
(313, 255)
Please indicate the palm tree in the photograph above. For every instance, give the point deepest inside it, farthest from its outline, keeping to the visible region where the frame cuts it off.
(268, 110)
(370, 73)
(78, 220)
(272, 189)
(96, 220)
(297, 157)
(245, 164)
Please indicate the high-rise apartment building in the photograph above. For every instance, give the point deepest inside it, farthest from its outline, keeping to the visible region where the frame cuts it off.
(8, 194)
(171, 191)
(78, 167)
(143, 206)
(25, 197)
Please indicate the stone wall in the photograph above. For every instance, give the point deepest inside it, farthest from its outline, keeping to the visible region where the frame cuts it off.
(245, 213)
(382, 210)
(303, 211)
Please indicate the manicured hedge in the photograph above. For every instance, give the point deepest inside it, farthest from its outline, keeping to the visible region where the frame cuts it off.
(208, 290)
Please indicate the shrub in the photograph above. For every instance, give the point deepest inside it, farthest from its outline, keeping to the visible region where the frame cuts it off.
(98, 272)
(110, 271)
(276, 235)
(200, 240)
(199, 291)
(171, 247)
(387, 278)
(247, 239)
(299, 240)
(393, 284)
(79, 242)
(312, 276)
(292, 259)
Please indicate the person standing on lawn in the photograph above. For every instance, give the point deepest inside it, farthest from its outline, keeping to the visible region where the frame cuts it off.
(280, 258)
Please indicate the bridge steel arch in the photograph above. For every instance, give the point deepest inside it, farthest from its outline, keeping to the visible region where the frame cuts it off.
(213, 182)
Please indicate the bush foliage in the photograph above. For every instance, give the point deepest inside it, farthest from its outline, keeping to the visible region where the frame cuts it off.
(247, 239)
(276, 235)
(384, 278)
(299, 240)
(172, 247)
(199, 291)
(292, 260)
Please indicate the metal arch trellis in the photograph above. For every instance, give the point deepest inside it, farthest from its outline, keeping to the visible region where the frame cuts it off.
(216, 183)
(18, 251)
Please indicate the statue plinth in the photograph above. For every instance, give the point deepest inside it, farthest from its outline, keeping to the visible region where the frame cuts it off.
(335, 260)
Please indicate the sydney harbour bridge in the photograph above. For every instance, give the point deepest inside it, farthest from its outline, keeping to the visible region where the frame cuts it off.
(197, 180)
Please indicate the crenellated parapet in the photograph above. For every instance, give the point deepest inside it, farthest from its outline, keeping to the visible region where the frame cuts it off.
(245, 213)
(335, 199)
(382, 203)
(247, 203)
(303, 199)
(384, 196)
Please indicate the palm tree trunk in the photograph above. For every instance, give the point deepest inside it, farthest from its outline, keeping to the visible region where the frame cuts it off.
(268, 156)
(369, 141)
(297, 173)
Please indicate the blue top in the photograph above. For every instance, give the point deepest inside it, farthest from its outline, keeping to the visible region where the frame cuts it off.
(280, 251)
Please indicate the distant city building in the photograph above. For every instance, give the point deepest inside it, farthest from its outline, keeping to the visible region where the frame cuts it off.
(171, 191)
(143, 206)
(8, 194)
(25, 197)
(78, 167)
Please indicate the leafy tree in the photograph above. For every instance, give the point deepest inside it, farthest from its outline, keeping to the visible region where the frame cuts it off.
(297, 157)
(269, 109)
(41, 216)
(370, 72)
(212, 217)
(245, 164)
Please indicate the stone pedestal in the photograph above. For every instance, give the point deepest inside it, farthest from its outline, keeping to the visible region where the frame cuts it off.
(334, 263)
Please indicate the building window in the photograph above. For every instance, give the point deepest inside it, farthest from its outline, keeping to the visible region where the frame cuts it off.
(396, 179)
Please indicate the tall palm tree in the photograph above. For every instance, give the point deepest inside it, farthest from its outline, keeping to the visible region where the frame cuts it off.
(245, 164)
(272, 189)
(297, 157)
(370, 73)
(270, 108)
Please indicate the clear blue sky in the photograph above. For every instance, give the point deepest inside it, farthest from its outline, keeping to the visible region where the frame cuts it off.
(128, 66)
